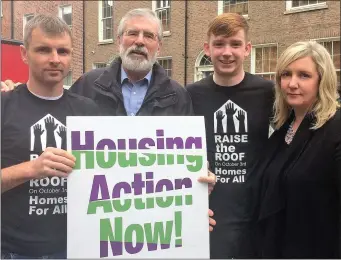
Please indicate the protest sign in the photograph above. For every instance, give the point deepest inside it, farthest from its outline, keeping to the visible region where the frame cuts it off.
(134, 191)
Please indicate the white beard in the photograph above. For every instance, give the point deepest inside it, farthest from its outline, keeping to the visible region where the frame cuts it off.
(136, 64)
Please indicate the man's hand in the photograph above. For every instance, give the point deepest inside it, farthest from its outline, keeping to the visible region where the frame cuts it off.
(212, 222)
(210, 179)
(8, 85)
(53, 162)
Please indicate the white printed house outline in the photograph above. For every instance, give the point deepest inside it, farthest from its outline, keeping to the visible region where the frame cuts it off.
(236, 121)
(43, 136)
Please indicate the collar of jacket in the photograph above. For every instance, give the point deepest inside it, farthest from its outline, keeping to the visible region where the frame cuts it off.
(160, 86)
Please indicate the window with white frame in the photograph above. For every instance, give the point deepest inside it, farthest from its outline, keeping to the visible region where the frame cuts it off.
(65, 13)
(98, 65)
(166, 63)
(105, 20)
(26, 18)
(68, 80)
(307, 5)
(1, 9)
(162, 9)
(333, 47)
(233, 6)
(203, 67)
(298, 3)
(264, 61)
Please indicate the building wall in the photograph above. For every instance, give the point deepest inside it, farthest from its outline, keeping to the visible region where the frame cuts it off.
(267, 21)
(6, 20)
(172, 45)
(104, 52)
(200, 14)
(51, 7)
(269, 24)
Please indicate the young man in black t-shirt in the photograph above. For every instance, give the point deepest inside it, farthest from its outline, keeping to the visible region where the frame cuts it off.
(237, 109)
(34, 159)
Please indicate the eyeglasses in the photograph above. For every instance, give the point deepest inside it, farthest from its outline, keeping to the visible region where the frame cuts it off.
(147, 36)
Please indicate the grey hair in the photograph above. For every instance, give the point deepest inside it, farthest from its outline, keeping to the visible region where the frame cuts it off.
(51, 25)
(140, 12)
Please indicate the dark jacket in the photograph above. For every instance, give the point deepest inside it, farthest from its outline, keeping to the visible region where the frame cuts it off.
(298, 193)
(165, 97)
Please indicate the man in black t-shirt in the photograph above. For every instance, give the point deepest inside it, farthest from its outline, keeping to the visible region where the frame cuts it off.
(34, 159)
(237, 108)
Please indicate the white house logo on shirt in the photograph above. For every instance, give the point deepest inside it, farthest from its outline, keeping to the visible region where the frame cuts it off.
(47, 196)
(47, 132)
(231, 140)
(230, 119)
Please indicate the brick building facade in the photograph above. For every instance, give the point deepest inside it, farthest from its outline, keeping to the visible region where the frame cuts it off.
(70, 11)
(274, 25)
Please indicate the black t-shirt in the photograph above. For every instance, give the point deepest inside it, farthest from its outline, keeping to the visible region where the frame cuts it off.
(237, 127)
(33, 215)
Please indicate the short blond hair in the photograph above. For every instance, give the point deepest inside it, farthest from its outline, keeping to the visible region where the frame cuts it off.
(326, 104)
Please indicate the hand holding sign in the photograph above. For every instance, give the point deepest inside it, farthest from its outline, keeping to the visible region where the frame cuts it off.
(53, 162)
(210, 179)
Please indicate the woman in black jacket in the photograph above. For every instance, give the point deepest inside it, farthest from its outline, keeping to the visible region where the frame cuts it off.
(298, 179)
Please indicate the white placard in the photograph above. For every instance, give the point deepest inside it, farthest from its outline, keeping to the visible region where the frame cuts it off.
(134, 191)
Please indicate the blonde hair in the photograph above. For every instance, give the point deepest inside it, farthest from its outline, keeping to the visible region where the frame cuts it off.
(326, 104)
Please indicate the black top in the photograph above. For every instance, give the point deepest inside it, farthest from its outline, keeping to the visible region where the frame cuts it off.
(297, 187)
(164, 97)
(33, 215)
(237, 127)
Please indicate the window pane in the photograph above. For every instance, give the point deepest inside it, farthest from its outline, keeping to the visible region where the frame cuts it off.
(266, 76)
(67, 9)
(266, 65)
(170, 68)
(239, 8)
(68, 79)
(305, 2)
(163, 15)
(336, 59)
(99, 65)
(106, 9)
(67, 18)
(338, 77)
(295, 3)
(29, 17)
(205, 60)
(206, 74)
(258, 60)
(336, 54)
(107, 28)
(328, 46)
(273, 57)
(167, 65)
(232, 9)
(245, 8)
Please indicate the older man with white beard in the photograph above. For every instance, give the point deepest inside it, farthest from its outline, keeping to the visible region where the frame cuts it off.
(135, 84)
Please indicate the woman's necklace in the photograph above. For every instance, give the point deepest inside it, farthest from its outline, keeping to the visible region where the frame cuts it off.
(290, 133)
